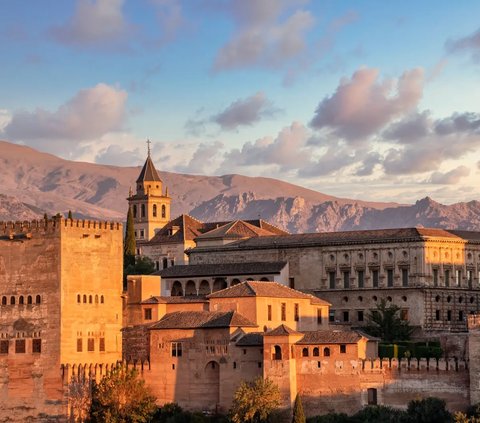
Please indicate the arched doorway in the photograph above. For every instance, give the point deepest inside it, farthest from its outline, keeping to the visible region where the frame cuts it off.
(211, 386)
(219, 283)
(204, 288)
(177, 290)
(190, 288)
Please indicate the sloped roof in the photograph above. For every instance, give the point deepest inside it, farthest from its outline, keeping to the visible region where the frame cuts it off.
(236, 229)
(148, 173)
(282, 330)
(221, 269)
(330, 337)
(263, 289)
(202, 320)
(342, 238)
(252, 339)
(175, 300)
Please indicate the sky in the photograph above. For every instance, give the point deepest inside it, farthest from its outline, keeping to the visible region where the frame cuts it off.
(372, 100)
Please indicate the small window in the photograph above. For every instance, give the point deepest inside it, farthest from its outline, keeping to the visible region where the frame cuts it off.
(449, 315)
(284, 311)
(143, 210)
(319, 316)
(460, 316)
(277, 352)
(4, 346)
(326, 352)
(84, 299)
(79, 298)
(343, 349)
(38, 299)
(234, 364)
(360, 278)
(148, 314)
(79, 345)
(437, 315)
(331, 316)
(372, 396)
(375, 278)
(4, 300)
(405, 277)
(447, 277)
(404, 314)
(458, 277)
(12, 300)
(331, 279)
(20, 346)
(346, 316)
(390, 277)
(316, 352)
(435, 277)
(36, 346)
(297, 313)
(176, 349)
(90, 344)
(269, 312)
(305, 352)
(164, 211)
(360, 315)
(20, 300)
(90, 299)
(101, 299)
(101, 345)
(154, 210)
(346, 279)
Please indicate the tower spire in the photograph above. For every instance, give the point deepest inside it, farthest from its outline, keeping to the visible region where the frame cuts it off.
(148, 146)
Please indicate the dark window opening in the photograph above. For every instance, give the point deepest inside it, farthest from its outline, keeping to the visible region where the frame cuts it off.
(4, 344)
(437, 314)
(148, 314)
(316, 352)
(297, 313)
(447, 277)
(360, 276)
(79, 345)
(390, 277)
(360, 315)
(38, 299)
(269, 312)
(20, 300)
(326, 352)
(346, 279)
(36, 346)
(319, 316)
(284, 311)
(305, 352)
(435, 277)
(143, 210)
(277, 352)
(372, 396)
(449, 315)
(101, 345)
(331, 316)
(20, 346)
(343, 349)
(154, 210)
(176, 349)
(91, 344)
(346, 316)
(331, 278)
(404, 277)
(164, 211)
(375, 278)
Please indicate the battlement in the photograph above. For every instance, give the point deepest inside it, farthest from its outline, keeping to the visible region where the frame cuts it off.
(473, 321)
(24, 229)
(415, 365)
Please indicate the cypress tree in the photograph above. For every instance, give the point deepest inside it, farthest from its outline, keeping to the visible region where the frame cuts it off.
(129, 245)
(70, 215)
(298, 414)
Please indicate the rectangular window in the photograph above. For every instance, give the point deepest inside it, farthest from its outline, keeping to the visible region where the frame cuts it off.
(331, 316)
(284, 311)
(375, 278)
(435, 277)
(20, 346)
(343, 349)
(79, 345)
(458, 277)
(361, 277)
(269, 312)
(346, 316)
(319, 316)
(90, 344)
(437, 315)
(297, 313)
(404, 277)
(360, 315)
(390, 277)
(36, 346)
(101, 345)
(470, 278)
(404, 314)
(331, 279)
(148, 313)
(372, 396)
(176, 349)
(447, 277)
(4, 346)
(460, 316)
(449, 315)
(142, 234)
(346, 279)
(291, 282)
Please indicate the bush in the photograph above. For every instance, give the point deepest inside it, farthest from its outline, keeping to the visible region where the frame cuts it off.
(379, 414)
(428, 410)
(330, 418)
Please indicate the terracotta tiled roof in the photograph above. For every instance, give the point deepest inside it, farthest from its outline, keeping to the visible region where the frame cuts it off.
(263, 289)
(282, 330)
(342, 238)
(238, 229)
(330, 337)
(222, 269)
(202, 320)
(252, 339)
(175, 300)
(148, 173)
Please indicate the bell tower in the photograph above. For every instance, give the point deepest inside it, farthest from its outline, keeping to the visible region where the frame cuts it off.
(150, 204)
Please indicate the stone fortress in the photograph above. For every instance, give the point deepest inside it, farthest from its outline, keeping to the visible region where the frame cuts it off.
(230, 301)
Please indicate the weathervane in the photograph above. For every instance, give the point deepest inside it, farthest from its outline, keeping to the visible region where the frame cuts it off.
(148, 146)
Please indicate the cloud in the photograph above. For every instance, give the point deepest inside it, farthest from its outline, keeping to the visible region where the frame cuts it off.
(95, 23)
(468, 44)
(410, 129)
(245, 112)
(5, 118)
(91, 113)
(118, 155)
(449, 178)
(170, 19)
(363, 105)
(268, 34)
(333, 160)
(203, 159)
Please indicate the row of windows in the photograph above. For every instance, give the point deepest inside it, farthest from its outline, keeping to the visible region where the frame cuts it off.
(326, 351)
(375, 275)
(90, 299)
(296, 313)
(91, 344)
(154, 211)
(20, 346)
(21, 300)
(458, 277)
(404, 256)
(360, 315)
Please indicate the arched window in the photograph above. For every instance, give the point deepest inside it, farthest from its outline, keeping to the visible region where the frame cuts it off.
(154, 211)
(165, 263)
(277, 352)
(235, 282)
(219, 284)
(102, 300)
(84, 299)
(134, 211)
(20, 300)
(177, 290)
(264, 280)
(326, 352)
(38, 299)
(4, 300)
(305, 352)
(90, 299)
(164, 211)
(30, 300)
(96, 299)
(204, 288)
(190, 288)
(12, 300)
(143, 210)
(316, 352)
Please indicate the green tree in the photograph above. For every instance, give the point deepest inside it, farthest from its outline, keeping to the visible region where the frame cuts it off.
(129, 246)
(428, 410)
(384, 322)
(70, 215)
(253, 402)
(298, 414)
(380, 414)
(122, 397)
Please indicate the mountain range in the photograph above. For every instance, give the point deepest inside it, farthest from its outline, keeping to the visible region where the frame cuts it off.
(32, 183)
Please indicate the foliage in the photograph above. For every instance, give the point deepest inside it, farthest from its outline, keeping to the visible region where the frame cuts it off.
(330, 418)
(428, 410)
(463, 418)
(298, 414)
(122, 397)
(129, 246)
(385, 323)
(255, 401)
(380, 414)
(173, 413)
(70, 215)
(80, 398)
